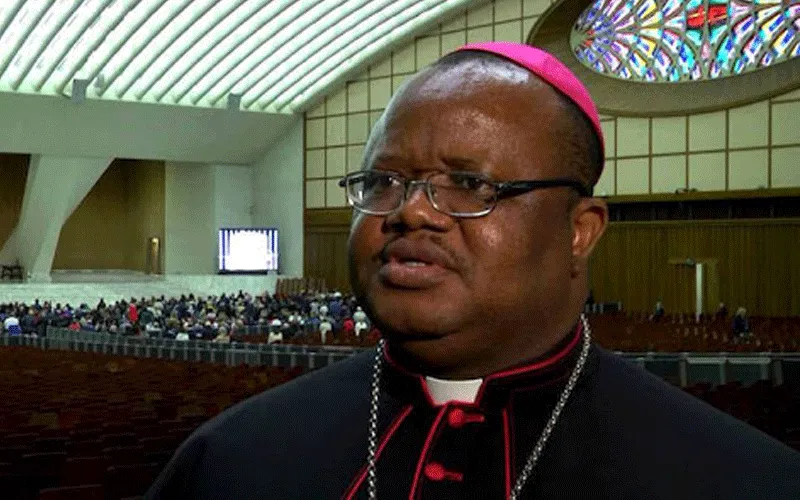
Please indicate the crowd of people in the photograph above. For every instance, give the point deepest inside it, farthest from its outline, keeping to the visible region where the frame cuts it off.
(301, 318)
(217, 318)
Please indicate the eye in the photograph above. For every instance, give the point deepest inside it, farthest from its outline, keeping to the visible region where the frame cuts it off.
(380, 180)
(468, 181)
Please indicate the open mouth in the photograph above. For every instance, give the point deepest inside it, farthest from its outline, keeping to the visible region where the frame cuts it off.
(413, 263)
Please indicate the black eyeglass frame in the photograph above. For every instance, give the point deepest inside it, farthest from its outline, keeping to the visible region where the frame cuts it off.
(502, 190)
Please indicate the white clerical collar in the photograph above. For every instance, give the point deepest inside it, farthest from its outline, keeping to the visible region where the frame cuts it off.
(443, 391)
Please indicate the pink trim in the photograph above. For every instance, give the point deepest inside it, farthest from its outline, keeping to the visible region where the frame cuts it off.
(536, 366)
(425, 449)
(507, 451)
(354, 486)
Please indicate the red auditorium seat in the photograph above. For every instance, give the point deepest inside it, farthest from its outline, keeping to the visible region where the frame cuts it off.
(84, 434)
(20, 439)
(84, 470)
(82, 492)
(40, 470)
(124, 481)
(10, 485)
(117, 428)
(159, 443)
(10, 454)
(45, 444)
(120, 439)
(125, 454)
(89, 447)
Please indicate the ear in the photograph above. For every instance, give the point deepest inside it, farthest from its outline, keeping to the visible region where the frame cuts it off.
(589, 222)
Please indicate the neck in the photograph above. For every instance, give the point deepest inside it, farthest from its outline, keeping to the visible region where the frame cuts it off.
(440, 359)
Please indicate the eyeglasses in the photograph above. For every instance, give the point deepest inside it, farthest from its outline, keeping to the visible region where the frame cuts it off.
(458, 194)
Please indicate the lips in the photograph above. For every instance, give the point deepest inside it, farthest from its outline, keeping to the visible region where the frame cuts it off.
(412, 264)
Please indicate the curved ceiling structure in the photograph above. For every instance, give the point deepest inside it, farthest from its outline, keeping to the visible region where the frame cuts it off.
(268, 55)
(614, 95)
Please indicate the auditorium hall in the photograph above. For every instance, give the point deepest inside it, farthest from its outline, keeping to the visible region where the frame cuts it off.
(400, 249)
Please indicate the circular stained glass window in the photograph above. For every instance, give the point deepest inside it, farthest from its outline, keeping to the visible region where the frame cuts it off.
(685, 40)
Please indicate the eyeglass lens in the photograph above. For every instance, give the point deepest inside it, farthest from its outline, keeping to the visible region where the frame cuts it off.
(453, 193)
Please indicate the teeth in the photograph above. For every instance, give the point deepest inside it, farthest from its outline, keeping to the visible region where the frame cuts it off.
(414, 263)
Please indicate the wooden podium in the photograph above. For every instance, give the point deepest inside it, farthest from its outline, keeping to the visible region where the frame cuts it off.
(697, 281)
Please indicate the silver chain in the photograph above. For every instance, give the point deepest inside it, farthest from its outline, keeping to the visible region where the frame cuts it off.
(533, 458)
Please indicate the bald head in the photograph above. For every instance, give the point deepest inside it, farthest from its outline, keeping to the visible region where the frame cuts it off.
(458, 74)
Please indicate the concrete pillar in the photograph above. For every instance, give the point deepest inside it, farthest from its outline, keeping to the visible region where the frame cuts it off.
(54, 189)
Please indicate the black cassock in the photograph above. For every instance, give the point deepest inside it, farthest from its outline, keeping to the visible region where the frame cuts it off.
(624, 434)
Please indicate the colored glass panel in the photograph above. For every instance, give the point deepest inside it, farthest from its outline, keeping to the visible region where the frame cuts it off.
(685, 40)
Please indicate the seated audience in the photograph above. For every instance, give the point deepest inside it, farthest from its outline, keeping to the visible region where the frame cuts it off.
(11, 325)
(222, 337)
(740, 324)
(722, 311)
(658, 312)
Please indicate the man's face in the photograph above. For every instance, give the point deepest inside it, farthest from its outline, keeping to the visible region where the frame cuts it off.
(492, 276)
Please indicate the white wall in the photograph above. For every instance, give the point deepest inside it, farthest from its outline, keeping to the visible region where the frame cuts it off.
(190, 244)
(233, 196)
(278, 196)
(55, 126)
(201, 199)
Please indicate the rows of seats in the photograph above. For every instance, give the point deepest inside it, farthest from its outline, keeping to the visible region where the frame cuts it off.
(685, 333)
(636, 332)
(83, 425)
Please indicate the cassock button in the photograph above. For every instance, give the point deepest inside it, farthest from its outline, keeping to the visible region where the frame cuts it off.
(436, 472)
(458, 418)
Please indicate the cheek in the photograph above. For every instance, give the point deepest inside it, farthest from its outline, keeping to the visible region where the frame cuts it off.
(518, 246)
(365, 240)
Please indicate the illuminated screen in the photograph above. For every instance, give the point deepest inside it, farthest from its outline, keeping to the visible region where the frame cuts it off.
(248, 250)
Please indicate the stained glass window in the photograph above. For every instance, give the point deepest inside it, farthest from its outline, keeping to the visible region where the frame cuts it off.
(685, 40)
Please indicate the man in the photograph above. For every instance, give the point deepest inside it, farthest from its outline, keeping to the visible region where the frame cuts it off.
(360, 318)
(325, 327)
(11, 324)
(741, 326)
(469, 250)
(658, 312)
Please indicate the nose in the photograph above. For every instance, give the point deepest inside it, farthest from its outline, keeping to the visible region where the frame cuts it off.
(415, 188)
(417, 211)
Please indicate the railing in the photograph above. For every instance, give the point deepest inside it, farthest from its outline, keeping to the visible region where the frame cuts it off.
(678, 368)
(718, 368)
(233, 354)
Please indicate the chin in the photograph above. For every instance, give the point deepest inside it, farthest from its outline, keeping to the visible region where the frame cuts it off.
(416, 314)
(433, 354)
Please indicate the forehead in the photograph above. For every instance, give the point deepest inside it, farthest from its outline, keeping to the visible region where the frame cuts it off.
(472, 111)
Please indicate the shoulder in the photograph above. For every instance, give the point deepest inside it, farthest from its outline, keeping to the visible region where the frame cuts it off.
(671, 432)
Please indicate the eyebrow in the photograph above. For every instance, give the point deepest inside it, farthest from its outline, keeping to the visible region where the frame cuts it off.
(459, 163)
(388, 158)
(454, 162)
